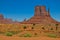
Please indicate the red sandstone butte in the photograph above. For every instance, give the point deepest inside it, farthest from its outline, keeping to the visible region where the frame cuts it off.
(40, 16)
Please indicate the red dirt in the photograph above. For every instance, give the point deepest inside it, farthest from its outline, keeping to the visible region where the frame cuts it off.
(27, 38)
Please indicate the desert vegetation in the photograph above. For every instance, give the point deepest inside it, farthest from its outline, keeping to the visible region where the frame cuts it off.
(28, 30)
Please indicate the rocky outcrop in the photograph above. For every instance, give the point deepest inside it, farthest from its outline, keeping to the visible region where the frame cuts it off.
(40, 16)
(6, 21)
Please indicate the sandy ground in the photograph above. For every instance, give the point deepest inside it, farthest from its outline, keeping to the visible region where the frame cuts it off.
(27, 38)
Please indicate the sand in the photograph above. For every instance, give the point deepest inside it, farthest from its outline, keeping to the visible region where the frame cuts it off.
(27, 38)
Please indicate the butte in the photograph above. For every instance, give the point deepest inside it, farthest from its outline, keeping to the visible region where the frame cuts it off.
(41, 16)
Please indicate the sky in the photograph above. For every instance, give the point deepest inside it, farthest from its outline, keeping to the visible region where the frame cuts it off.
(21, 9)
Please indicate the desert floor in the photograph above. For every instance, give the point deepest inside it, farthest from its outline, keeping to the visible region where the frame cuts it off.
(27, 38)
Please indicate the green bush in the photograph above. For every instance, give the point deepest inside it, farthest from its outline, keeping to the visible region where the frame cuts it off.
(52, 35)
(14, 32)
(27, 35)
(8, 34)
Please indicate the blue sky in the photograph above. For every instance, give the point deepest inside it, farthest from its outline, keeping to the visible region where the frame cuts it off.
(21, 9)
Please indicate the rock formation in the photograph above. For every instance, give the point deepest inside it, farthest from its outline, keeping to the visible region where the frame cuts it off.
(40, 16)
(4, 20)
(1, 17)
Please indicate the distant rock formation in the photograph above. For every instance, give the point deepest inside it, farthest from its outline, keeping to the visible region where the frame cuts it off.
(6, 21)
(1, 17)
(40, 16)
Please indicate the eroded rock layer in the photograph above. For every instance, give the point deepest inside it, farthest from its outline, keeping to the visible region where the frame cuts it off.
(40, 16)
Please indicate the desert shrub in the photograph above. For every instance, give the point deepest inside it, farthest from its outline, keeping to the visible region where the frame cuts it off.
(35, 34)
(32, 28)
(8, 34)
(51, 29)
(24, 27)
(14, 32)
(34, 24)
(52, 35)
(56, 26)
(43, 28)
(27, 35)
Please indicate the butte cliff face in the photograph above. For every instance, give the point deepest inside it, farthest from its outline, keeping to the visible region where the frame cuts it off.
(40, 16)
